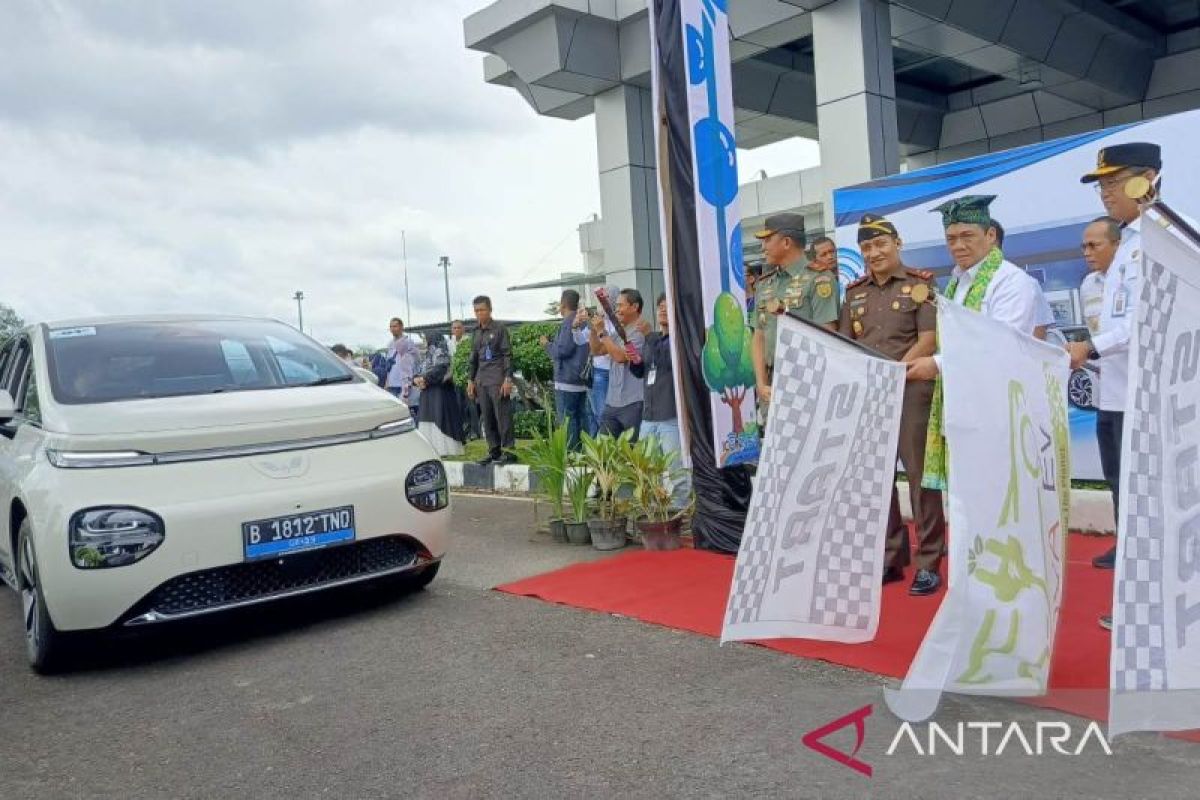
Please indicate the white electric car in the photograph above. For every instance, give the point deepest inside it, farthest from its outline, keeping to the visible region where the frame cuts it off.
(153, 469)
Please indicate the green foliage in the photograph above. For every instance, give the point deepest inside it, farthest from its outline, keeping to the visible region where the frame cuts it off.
(529, 357)
(460, 363)
(531, 424)
(606, 457)
(548, 458)
(730, 327)
(579, 483)
(652, 470)
(10, 323)
(727, 359)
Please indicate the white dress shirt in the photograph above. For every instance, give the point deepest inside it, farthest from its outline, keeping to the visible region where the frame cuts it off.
(1124, 277)
(1013, 297)
(1091, 296)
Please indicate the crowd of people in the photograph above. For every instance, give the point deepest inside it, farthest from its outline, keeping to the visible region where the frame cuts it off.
(891, 309)
(612, 376)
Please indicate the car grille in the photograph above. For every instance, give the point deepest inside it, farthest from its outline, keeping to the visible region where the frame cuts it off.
(241, 583)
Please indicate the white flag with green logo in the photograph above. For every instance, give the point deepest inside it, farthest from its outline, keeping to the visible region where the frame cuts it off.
(1007, 443)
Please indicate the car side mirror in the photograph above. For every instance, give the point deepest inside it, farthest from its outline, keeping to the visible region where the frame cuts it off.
(366, 374)
(8, 407)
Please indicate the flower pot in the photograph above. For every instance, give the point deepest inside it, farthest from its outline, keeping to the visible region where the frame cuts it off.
(607, 534)
(558, 530)
(578, 533)
(660, 535)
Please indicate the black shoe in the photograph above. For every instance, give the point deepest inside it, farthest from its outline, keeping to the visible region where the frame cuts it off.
(1107, 559)
(483, 462)
(507, 458)
(892, 574)
(925, 582)
(1106, 622)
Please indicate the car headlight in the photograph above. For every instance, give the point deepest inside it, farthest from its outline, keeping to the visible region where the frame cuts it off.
(66, 459)
(113, 537)
(426, 486)
(406, 425)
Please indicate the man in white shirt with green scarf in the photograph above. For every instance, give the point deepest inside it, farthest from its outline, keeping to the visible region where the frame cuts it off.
(982, 281)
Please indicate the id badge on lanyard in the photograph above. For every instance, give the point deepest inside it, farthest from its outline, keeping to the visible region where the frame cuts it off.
(1121, 298)
(651, 374)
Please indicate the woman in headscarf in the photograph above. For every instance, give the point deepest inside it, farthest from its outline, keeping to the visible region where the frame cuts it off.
(440, 417)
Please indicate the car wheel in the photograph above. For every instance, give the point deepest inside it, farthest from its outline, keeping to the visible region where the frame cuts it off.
(45, 645)
(1079, 390)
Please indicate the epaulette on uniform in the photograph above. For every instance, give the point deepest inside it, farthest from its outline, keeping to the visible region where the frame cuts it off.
(923, 274)
(858, 282)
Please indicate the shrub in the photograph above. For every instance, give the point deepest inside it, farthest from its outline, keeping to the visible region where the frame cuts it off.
(529, 357)
(460, 363)
(531, 424)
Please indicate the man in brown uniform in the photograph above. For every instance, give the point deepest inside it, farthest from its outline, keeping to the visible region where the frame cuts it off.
(891, 310)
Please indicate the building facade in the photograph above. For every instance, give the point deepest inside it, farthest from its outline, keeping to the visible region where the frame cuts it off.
(882, 86)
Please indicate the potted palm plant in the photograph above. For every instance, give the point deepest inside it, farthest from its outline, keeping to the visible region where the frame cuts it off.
(654, 473)
(604, 457)
(548, 458)
(579, 484)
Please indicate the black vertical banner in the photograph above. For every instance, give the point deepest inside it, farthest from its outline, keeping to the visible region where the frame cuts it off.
(722, 495)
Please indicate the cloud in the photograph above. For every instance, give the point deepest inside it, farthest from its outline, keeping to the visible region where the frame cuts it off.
(240, 77)
(219, 156)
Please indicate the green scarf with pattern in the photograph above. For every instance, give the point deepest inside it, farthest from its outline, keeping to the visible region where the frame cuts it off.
(935, 440)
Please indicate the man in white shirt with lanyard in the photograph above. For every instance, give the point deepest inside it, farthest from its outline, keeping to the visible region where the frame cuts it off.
(1116, 166)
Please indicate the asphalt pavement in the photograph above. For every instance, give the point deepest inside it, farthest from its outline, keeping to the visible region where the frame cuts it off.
(462, 692)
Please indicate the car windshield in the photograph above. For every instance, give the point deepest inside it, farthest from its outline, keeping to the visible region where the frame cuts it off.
(134, 360)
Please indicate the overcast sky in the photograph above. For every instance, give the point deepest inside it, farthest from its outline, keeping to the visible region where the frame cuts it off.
(216, 156)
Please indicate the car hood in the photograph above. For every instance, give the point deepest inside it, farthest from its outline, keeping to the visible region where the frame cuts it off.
(232, 419)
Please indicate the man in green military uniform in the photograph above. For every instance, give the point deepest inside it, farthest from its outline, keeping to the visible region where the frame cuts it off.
(891, 310)
(788, 283)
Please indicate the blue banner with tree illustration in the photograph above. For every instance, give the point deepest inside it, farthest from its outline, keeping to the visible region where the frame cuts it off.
(712, 253)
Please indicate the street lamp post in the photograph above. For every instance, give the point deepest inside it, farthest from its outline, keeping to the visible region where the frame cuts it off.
(299, 298)
(404, 255)
(444, 263)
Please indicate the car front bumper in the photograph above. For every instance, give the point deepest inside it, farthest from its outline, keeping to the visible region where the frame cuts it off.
(203, 506)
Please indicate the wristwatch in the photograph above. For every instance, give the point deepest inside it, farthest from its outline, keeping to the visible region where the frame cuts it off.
(1092, 354)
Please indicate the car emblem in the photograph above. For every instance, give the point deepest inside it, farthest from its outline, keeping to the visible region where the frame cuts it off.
(291, 466)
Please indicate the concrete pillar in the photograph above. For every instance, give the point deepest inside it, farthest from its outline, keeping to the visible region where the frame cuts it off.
(629, 191)
(856, 95)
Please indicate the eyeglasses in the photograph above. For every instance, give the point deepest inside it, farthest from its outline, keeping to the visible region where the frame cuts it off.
(1112, 182)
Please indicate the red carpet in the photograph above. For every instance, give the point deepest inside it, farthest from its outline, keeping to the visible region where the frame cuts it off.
(688, 589)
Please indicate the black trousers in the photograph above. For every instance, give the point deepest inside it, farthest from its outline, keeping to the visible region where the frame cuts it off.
(469, 410)
(496, 413)
(1109, 426)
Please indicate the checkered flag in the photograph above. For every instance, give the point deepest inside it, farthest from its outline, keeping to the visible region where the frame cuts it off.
(819, 512)
(1139, 663)
(847, 587)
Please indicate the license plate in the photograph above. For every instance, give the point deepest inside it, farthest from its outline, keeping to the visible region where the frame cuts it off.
(311, 530)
